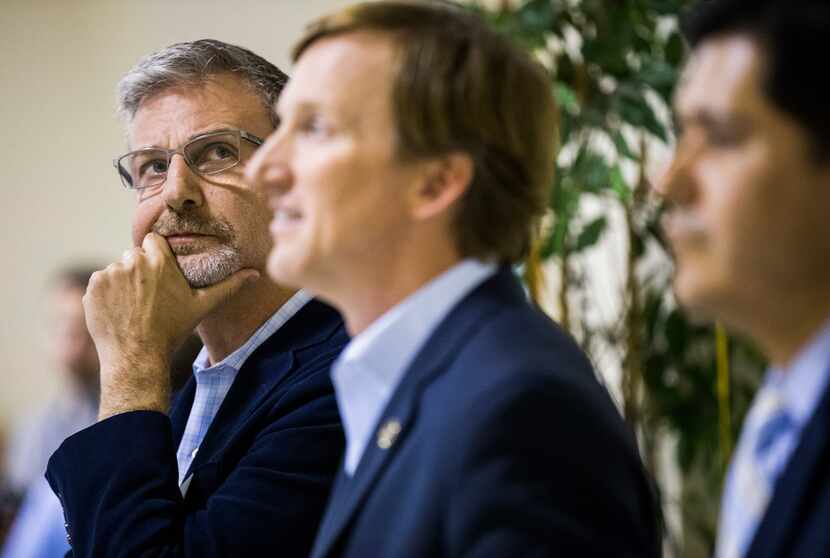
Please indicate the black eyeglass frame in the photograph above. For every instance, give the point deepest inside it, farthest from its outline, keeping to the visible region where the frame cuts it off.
(126, 178)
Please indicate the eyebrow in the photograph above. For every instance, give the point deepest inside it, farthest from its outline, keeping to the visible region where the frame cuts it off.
(710, 119)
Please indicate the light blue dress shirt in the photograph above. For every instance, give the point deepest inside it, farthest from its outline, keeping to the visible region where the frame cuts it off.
(800, 387)
(373, 363)
(213, 382)
(38, 531)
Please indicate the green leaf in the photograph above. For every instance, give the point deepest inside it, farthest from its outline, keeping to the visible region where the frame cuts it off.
(636, 111)
(565, 97)
(622, 145)
(675, 50)
(619, 185)
(590, 172)
(658, 75)
(591, 234)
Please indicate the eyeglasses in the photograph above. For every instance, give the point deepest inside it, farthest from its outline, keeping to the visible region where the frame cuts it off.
(206, 154)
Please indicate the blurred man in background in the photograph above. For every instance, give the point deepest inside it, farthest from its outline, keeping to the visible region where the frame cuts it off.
(748, 197)
(38, 528)
(242, 463)
(412, 163)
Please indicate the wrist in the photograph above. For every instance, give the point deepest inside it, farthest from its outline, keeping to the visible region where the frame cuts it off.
(134, 385)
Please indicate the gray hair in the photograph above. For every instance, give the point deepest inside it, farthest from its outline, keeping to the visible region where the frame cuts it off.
(193, 63)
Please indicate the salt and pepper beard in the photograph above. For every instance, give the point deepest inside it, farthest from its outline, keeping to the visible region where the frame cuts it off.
(208, 267)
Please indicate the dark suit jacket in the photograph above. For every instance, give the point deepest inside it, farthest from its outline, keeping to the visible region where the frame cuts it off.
(797, 520)
(498, 442)
(260, 479)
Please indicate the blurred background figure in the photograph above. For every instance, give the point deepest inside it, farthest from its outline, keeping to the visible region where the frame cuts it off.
(27, 505)
(38, 526)
(747, 199)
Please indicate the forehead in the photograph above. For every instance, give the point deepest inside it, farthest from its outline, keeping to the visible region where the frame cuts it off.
(723, 75)
(172, 115)
(349, 70)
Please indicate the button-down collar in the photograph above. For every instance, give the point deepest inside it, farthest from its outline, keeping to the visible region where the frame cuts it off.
(214, 381)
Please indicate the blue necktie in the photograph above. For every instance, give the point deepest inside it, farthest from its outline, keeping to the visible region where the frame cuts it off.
(753, 475)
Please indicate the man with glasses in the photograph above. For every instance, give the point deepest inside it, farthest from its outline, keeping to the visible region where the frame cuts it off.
(241, 463)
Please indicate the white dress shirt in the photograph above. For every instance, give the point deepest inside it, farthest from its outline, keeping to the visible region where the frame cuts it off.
(373, 363)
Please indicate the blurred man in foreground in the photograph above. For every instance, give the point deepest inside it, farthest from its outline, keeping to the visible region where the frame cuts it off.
(37, 531)
(242, 462)
(413, 160)
(749, 196)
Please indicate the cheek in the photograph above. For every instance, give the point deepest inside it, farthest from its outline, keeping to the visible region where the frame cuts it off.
(146, 214)
(248, 213)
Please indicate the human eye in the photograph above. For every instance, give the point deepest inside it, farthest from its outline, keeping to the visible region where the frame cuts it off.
(723, 136)
(151, 167)
(218, 151)
(315, 125)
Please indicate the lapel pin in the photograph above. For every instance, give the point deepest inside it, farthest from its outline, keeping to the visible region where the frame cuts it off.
(388, 433)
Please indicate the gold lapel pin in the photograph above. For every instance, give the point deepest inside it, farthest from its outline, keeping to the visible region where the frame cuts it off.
(388, 433)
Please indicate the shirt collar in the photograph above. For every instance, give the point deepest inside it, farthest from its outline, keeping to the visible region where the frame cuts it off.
(802, 383)
(374, 362)
(236, 359)
(389, 344)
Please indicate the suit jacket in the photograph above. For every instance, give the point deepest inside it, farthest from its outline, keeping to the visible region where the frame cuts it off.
(259, 481)
(797, 521)
(498, 442)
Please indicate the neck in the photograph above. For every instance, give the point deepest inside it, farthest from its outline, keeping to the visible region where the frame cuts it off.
(233, 323)
(788, 326)
(372, 290)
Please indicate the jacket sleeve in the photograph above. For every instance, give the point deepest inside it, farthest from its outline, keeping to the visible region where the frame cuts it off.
(118, 484)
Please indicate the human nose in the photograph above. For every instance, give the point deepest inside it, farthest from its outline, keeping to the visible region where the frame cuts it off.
(677, 184)
(267, 170)
(182, 190)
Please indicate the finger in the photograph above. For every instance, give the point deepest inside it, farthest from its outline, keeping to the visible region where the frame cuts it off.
(209, 298)
(131, 254)
(156, 247)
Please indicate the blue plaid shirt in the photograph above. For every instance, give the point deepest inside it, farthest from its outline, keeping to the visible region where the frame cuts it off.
(214, 382)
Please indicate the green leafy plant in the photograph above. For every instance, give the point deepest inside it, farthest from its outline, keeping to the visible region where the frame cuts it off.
(613, 67)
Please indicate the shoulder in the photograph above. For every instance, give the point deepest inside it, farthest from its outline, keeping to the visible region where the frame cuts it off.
(518, 370)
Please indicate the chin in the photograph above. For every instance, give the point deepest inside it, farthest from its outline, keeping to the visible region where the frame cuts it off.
(702, 301)
(282, 271)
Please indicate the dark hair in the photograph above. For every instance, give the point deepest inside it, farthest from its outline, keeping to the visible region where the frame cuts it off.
(460, 86)
(193, 63)
(794, 37)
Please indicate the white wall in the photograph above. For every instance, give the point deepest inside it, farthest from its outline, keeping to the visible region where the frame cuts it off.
(60, 199)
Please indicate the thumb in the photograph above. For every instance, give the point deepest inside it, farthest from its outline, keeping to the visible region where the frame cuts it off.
(208, 298)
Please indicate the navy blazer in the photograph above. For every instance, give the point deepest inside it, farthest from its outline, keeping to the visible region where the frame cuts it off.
(499, 442)
(259, 481)
(797, 521)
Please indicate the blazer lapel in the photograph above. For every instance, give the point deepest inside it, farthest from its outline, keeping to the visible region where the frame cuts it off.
(350, 492)
(399, 415)
(180, 409)
(267, 367)
(251, 387)
(785, 510)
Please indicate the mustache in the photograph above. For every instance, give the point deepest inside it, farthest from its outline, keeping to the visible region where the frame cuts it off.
(174, 223)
